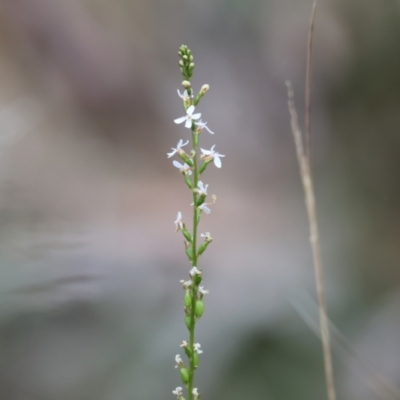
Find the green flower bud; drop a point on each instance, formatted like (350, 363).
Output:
(188, 351)
(200, 200)
(189, 252)
(186, 84)
(199, 308)
(203, 248)
(186, 158)
(187, 299)
(188, 181)
(185, 375)
(196, 359)
(188, 321)
(204, 166)
(197, 280)
(186, 233)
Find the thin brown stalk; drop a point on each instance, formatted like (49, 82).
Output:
(307, 118)
(307, 181)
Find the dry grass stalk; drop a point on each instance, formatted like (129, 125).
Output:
(306, 178)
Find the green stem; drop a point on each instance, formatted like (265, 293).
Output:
(194, 263)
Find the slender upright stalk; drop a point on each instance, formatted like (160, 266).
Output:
(194, 263)
(307, 118)
(192, 169)
(308, 187)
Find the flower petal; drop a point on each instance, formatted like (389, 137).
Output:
(177, 164)
(180, 120)
(190, 110)
(188, 123)
(217, 162)
(196, 116)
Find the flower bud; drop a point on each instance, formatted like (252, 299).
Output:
(203, 247)
(199, 308)
(186, 84)
(204, 89)
(200, 200)
(195, 359)
(189, 252)
(204, 166)
(188, 321)
(188, 351)
(186, 233)
(197, 280)
(185, 375)
(188, 181)
(187, 299)
(186, 158)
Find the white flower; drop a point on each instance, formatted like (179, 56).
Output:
(186, 284)
(178, 392)
(184, 168)
(201, 125)
(178, 222)
(202, 291)
(178, 148)
(184, 343)
(202, 190)
(194, 271)
(189, 117)
(184, 96)
(179, 361)
(197, 348)
(195, 392)
(204, 208)
(207, 236)
(212, 155)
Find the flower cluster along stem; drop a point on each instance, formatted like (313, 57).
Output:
(191, 171)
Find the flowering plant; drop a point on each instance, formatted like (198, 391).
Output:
(192, 167)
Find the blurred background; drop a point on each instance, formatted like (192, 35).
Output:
(90, 300)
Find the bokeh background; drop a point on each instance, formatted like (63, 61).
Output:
(90, 300)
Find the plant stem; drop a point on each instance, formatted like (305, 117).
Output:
(194, 263)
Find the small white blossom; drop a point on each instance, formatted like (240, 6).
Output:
(178, 148)
(188, 118)
(194, 271)
(195, 392)
(178, 222)
(203, 291)
(184, 344)
(197, 348)
(184, 96)
(179, 361)
(212, 155)
(207, 236)
(201, 189)
(186, 284)
(178, 392)
(204, 208)
(201, 125)
(184, 168)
